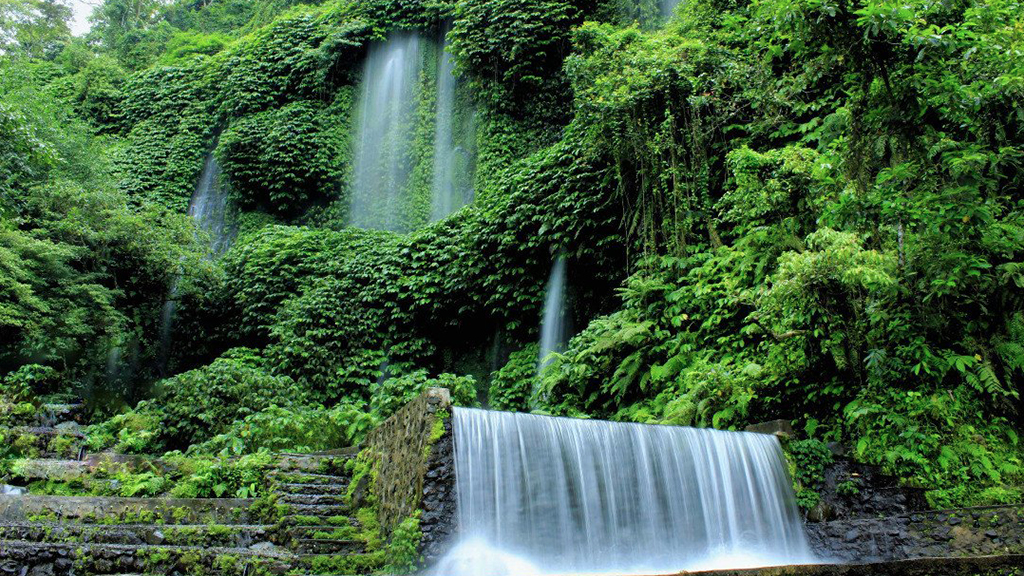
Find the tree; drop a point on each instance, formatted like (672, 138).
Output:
(34, 28)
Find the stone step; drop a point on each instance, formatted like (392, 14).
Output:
(315, 463)
(45, 441)
(318, 510)
(233, 536)
(49, 431)
(297, 477)
(337, 489)
(296, 522)
(312, 499)
(78, 558)
(58, 470)
(314, 546)
(91, 509)
(349, 564)
(52, 414)
(325, 532)
(83, 467)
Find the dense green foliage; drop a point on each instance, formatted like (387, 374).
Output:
(772, 209)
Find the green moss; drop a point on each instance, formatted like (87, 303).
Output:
(807, 460)
(402, 551)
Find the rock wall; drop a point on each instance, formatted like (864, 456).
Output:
(874, 494)
(439, 522)
(414, 466)
(943, 533)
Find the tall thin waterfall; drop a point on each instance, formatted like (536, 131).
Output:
(453, 185)
(538, 494)
(668, 6)
(384, 135)
(209, 208)
(554, 326)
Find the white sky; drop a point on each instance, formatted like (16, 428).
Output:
(82, 8)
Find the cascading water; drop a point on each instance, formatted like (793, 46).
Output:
(209, 208)
(384, 134)
(452, 186)
(554, 326)
(543, 495)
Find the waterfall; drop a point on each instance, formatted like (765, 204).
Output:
(667, 7)
(384, 134)
(554, 326)
(209, 208)
(547, 495)
(211, 211)
(453, 158)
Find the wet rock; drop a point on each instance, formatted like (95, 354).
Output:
(781, 428)
(41, 570)
(155, 537)
(8, 490)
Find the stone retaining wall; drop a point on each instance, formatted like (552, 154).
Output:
(438, 522)
(941, 533)
(406, 453)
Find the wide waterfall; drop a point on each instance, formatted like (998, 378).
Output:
(554, 325)
(384, 134)
(209, 208)
(543, 495)
(453, 142)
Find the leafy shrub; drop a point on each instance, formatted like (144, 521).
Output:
(29, 382)
(389, 395)
(201, 403)
(243, 477)
(808, 461)
(936, 439)
(519, 43)
(305, 429)
(138, 431)
(281, 159)
(512, 385)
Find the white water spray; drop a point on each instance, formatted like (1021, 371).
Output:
(453, 159)
(668, 7)
(554, 326)
(384, 134)
(560, 496)
(210, 210)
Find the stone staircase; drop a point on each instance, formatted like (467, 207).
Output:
(55, 536)
(317, 522)
(309, 529)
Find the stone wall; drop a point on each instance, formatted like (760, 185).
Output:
(941, 533)
(438, 522)
(405, 454)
